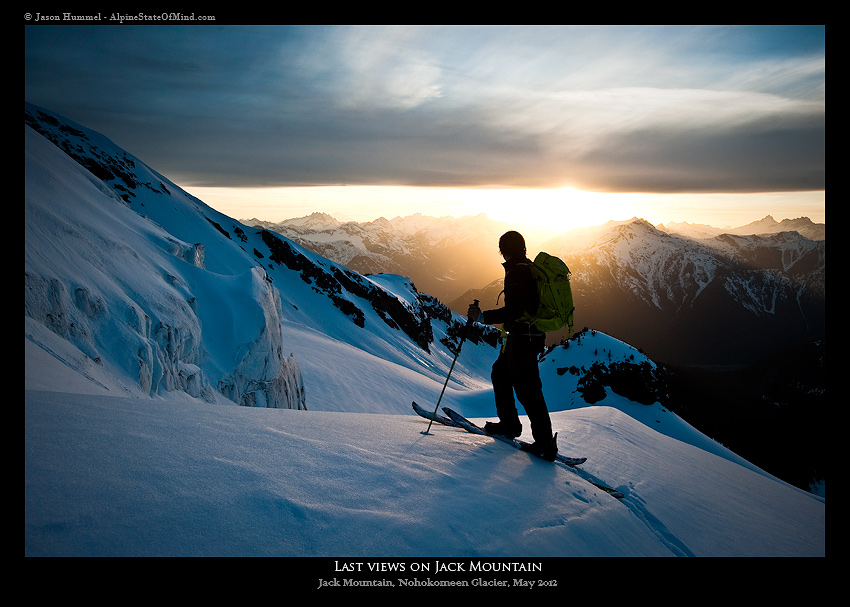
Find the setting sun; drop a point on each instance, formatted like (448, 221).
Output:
(547, 210)
(560, 209)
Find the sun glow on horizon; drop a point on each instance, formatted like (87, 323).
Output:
(552, 211)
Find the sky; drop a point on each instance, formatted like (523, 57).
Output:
(560, 126)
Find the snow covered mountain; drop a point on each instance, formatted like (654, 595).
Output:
(149, 316)
(153, 291)
(442, 255)
(683, 300)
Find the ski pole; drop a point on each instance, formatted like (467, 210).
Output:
(459, 346)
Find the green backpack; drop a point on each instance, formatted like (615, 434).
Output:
(556, 297)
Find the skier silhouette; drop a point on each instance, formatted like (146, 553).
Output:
(515, 371)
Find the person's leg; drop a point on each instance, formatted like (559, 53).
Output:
(503, 391)
(529, 388)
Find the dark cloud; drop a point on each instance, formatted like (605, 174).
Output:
(758, 157)
(628, 109)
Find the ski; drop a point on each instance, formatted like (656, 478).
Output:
(467, 425)
(456, 420)
(436, 416)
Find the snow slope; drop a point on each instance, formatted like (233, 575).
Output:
(109, 476)
(119, 463)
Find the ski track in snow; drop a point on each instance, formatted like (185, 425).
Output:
(639, 509)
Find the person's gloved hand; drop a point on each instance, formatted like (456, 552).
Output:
(474, 312)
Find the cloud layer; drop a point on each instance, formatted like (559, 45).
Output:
(661, 109)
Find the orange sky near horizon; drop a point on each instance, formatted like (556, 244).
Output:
(547, 210)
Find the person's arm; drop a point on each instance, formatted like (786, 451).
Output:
(520, 297)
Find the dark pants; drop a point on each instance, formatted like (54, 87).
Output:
(516, 372)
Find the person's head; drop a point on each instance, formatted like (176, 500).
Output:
(512, 244)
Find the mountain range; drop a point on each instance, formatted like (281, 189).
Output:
(675, 290)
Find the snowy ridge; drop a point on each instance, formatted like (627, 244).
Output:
(650, 264)
(666, 270)
(442, 254)
(128, 294)
(639, 282)
(148, 316)
(225, 290)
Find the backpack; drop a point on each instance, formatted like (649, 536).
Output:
(556, 297)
